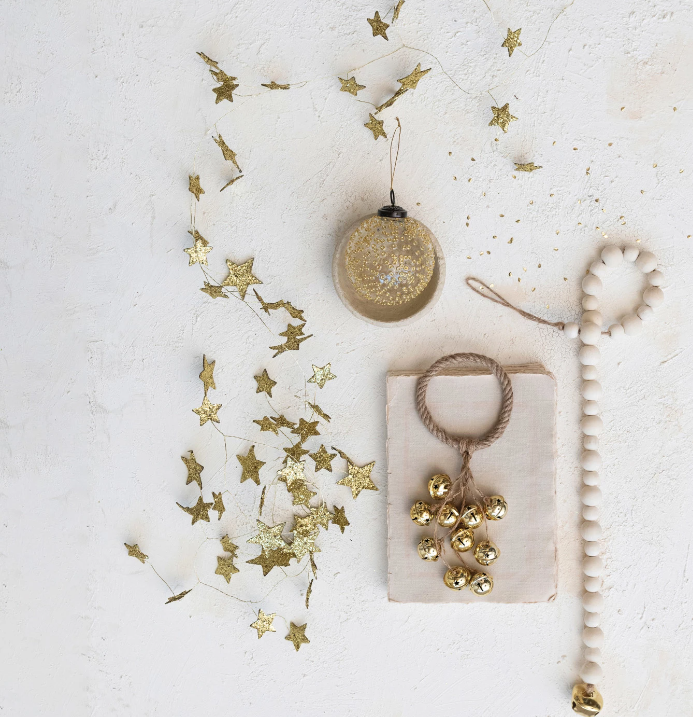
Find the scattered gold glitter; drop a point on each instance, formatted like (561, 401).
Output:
(351, 86)
(264, 383)
(207, 411)
(232, 181)
(502, 117)
(241, 276)
(199, 511)
(229, 154)
(218, 504)
(320, 412)
(297, 633)
(263, 623)
(207, 374)
(321, 375)
(194, 186)
(512, 41)
(378, 26)
(323, 459)
(225, 567)
(267, 560)
(180, 596)
(275, 86)
(216, 292)
(390, 261)
(267, 424)
(194, 470)
(268, 537)
(135, 552)
(358, 478)
(398, 7)
(339, 518)
(251, 466)
(375, 126)
(529, 167)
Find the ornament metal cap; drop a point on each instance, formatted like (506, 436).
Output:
(391, 210)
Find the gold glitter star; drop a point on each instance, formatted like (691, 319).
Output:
(267, 307)
(225, 567)
(268, 537)
(412, 79)
(321, 516)
(180, 596)
(291, 344)
(395, 14)
(512, 41)
(274, 86)
(301, 493)
(351, 86)
(293, 471)
(375, 126)
(228, 546)
(207, 411)
(282, 422)
(267, 560)
(339, 518)
(241, 276)
(378, 26)
(226, 88)
(251, 466)
(218, 504)
(194, 469)
(209, 60)
(321, 375)
(263, 623)
(304, 543)
(207, 374)
(199, 511)
(198, 252)
(306, 429)
(323, 459)
(229, 154)
(135, 552)
(502, 117)
(529, 167)
(319, 411)
(194, 186)
(297, 633)
(358, 479)
(297, 451)
(266, 424)
(304, 525)
(216, 292)
(232, 181)
(264, 383)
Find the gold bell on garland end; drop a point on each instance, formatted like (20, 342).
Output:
(458, 577)
(472, 516)
(448, 515)
(486, 552)
(462, 540)
(428, 550)
(587, 700)
(495, 507)
(439, 486)
(481, 584)
(421, 513)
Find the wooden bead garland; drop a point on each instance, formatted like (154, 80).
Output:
(586, 699)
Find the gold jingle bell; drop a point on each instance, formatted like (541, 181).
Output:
(472, 516)
(486, 552)
(458, 577)
(439, 486)
(448, 515)
(421, 513)
(481, 584)
(428, 550)
(462, 540)
(587, 700)
(495, 507)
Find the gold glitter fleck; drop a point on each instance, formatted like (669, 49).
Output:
(529, 167)
(180, 596)
(232, 181)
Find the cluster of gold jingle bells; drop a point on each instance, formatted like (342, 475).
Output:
(462, 538)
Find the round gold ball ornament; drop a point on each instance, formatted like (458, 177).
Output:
(486, 552)
(439, 486)
(481, 584)
(472, 516)
(458, 577)
(428, 549)
(462, 540)
(495, 507)
(448, 515)
(587, 700)
(421, 513)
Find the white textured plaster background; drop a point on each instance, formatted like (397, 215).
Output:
(104, 110)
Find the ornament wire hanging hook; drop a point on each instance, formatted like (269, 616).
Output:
(393, 168)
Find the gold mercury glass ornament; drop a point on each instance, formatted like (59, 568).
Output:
(495, 507)
(458, 577)
(421, 513)
(462, 540)
(439, 486)
(587, 700)
(428, 550)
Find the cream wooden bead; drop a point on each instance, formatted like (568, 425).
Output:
(591, 672)
(592, 567)
(632, 324)
(616, 330)
(591, 425)
(646, 262)
(592, 547)
(591, 461)
(590, 443)
(591, 530)
(590, 333)
(592, 317)
(593, 654)
(598, 268)
(571, 329)
(590, 303)
(592, 585)
(645, 312)
(653, 296)
(589, 373)
(591, 390)
(592, 619)
(655, 278)
(591, 494)
(593, 637)
(593, 602)
(590, 408)
(592, 284)
(590, 477)
(589, 355)
(612, 256)
(630, 253)
(590, 512)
